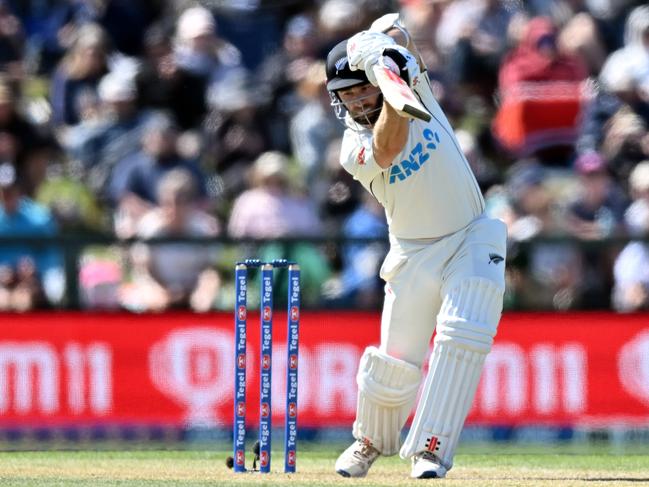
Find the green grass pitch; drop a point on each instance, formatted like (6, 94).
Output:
(474, 466)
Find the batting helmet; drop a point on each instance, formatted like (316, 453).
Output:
(339, 75)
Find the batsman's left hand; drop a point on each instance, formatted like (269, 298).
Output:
(364, 50)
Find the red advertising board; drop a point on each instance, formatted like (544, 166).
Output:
(178, 369)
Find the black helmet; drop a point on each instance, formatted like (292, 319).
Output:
(339, 75)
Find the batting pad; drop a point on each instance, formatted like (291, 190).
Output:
(469, 315)
(468, 321)
(387, 388)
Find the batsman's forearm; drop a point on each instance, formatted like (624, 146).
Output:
(390, 135)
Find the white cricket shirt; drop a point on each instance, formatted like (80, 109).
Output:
(429, 190)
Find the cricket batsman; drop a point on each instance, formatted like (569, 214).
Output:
(445, 268)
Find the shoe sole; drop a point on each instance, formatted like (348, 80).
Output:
(347, 475)
(428, 475)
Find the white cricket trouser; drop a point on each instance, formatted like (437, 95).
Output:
(419, 275)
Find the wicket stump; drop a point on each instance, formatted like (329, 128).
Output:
(266, 342)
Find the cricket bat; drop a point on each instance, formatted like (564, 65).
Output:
(398, 94)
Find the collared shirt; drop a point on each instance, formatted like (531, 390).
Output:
(429, 190)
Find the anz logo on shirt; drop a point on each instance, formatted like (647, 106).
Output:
(417, 158)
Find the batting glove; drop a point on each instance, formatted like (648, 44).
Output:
(364, 50)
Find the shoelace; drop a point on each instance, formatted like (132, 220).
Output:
(364, 453)
(428, 455)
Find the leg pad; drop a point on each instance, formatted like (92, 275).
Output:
(466, 328)
(387, 389)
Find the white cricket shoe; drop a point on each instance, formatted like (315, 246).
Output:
(425, 465)
(356, 460)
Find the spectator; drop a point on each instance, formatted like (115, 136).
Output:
(581, 37)
(174, 275)
(359, 286)
(30, 277)
(596, 213)
(51, 26)
(540, 91)
(163, 85)
(43, 151)
(100, 280)
(334, 192)
(54, 24)
(281, 71)
(74, 84)
(235, 135)
(314, 125)
(114, 135)
(617, 92)
(616, 121)
(483, 168)
(631, 268)
(133, 185)
(555, 278)
(529, 209)
(423, 20)
(625, 142)
(631, 271)
(17, 134)
(11, 43)
(268, 209)
(599, 208)
(200, 52)
(474, 35)
(73, 205)
(636, 216)
(633, 58)
(338, 19)
(125, 21)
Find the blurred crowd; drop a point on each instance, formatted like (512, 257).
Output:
(175, 118)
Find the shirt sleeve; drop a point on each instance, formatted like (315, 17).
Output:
(357, 157)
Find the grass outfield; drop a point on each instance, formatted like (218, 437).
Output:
(509, 467)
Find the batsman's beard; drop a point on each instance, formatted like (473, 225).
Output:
(368, 117)
(365, 117)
